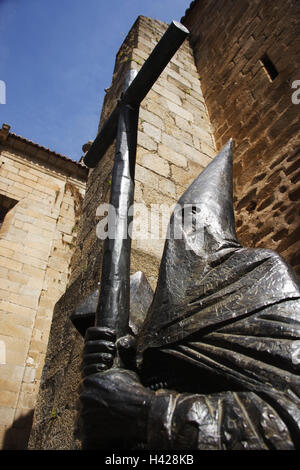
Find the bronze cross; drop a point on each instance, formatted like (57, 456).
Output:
(113, 305)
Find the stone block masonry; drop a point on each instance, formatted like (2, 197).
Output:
(172, 118)
(39, 202)
(237, 47)
(175, 143)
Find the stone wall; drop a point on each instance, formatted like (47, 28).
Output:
(175, 143)
(233, 42)
(37, 239)
(175, 140)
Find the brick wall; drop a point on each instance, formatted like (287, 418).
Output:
(36, 243)
(229, 39)
(175, 143)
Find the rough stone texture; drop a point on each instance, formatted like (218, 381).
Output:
(172, 117)
(55, 417)
(175, 143)
(229, 40)
(37, 239)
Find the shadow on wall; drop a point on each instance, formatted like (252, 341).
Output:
(17, 436)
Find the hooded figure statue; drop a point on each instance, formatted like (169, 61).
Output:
(218, 356)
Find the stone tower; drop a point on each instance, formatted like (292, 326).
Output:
(229, 81)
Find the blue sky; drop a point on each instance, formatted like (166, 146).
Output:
(56, 59)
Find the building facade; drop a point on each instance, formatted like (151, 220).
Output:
(41, 196)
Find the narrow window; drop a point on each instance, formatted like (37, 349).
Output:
(269, 67)
(6, 204)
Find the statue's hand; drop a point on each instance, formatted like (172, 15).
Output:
(126, 347)
(115, 406)
(99, 350)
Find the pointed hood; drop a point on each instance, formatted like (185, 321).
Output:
(201, 231)
(208, 206)
(206, 279)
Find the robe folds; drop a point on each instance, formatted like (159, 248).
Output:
(243, 336)
(218, 354)
(223, 331)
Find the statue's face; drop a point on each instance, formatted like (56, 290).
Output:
(197, 227)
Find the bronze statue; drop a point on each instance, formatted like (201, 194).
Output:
(215, 364)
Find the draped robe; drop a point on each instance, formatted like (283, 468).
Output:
(221, 340)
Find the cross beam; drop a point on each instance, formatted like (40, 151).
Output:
(138, 89)
(113, 304)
